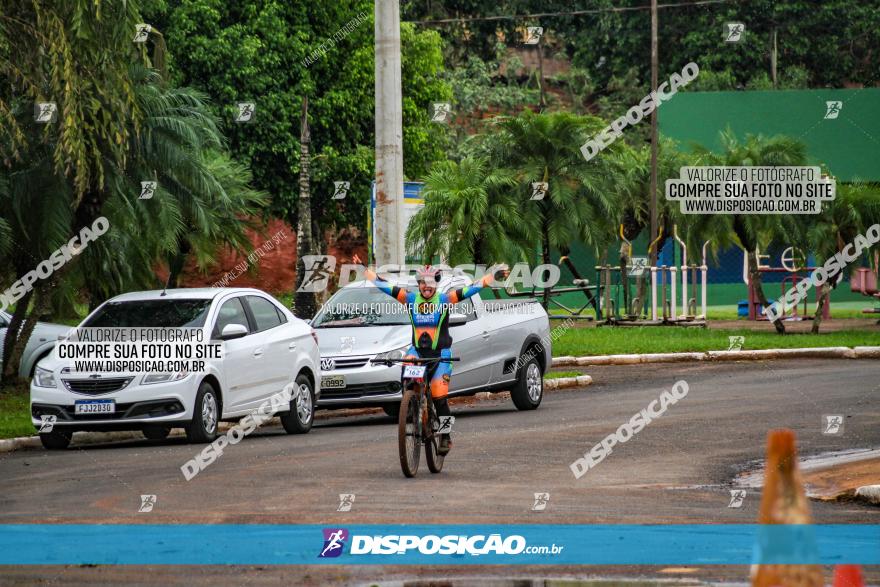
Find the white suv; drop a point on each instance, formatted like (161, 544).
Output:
(265, 348)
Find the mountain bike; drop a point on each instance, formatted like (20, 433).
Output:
(418, 422)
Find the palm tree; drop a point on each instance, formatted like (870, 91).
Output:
(75, 54)
(546, 148)
(746, 230)
(201, 204)
(628, 182)
(854, 209)
(470, 214)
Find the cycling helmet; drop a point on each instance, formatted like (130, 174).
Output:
(428, 273)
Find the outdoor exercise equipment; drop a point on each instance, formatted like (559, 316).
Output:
(579, 285)
(614, 288)
(864, 281)
(790, 259)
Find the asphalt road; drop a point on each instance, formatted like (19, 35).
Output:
(679, 469)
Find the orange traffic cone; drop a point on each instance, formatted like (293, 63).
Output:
(848, 576)
(783, 501)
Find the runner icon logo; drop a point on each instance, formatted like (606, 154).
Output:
(735, 32)
(541, 501)
(832, 109)
(737, 496)
(539, 190)
(446, 423)
(334, 542)
(340, 189)
(440, 111)
(833, 424)
(533, 35)
(47, 423)
(147, 503)
(346, 500)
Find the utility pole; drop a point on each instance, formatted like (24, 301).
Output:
(389, 229)
(653, 188)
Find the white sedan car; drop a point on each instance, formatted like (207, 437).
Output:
(265, 347)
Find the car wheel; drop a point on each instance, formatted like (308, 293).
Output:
(157, 432)
(298, 420)
(529, 388)
(392, 410)
(206, 415)
(55, 440)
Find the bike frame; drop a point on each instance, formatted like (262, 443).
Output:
(425, 428)
(426, 421)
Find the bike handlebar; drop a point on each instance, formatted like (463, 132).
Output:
(416, 360)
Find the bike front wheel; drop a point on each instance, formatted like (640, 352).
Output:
(432, 443)
(409, 438)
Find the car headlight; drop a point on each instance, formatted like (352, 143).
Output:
(393, 355)
(44, 378)
(151, 378)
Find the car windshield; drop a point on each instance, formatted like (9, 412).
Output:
(151, 314)
(361, 306)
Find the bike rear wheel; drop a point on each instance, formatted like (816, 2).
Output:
(408, 433)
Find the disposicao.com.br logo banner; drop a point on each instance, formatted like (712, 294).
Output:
(404, 543)
(439, 544)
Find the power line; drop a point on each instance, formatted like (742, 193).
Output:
(570, 13)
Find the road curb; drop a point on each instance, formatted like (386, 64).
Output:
(869, 494)
(859, 352)
(565, 382)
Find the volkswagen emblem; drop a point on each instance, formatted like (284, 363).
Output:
(327, 364)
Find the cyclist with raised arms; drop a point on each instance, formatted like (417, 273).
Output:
(428, 310)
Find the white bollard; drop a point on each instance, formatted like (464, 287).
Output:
(704, 270)
(654, 293)
(673, 277)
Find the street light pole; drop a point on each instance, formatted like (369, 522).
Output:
(653, 187)
(389, 230)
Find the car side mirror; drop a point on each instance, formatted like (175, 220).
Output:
(231, 331)
(457, 320)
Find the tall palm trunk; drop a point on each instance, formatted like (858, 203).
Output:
(757, 284)
(24, 320)
(10, 341)
(545, 258)
(304, 305)
(824, 293)
(176, 263)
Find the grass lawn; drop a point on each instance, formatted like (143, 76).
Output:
(838, 310)
(668, 339)
(561, 374)
(15, 413)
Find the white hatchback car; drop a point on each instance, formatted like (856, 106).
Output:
(265, 347)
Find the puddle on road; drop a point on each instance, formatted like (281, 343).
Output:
(825, 474)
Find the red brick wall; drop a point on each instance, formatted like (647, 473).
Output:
(275, 271)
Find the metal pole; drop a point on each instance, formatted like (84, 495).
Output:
(653, 187)
(389, 243)
(654, 293)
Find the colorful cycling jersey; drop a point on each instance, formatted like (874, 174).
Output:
(429, 317)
